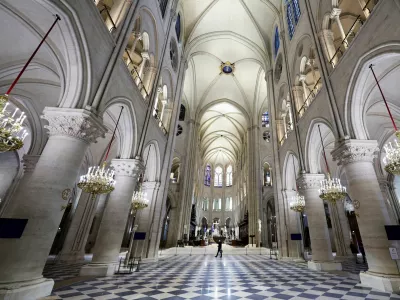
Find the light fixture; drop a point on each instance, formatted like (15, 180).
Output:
(298, 203)
(139, 202)
(331, 189)
(392, 158)
(100, 179)
(12, 134)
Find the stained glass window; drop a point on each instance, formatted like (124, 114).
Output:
(265, 119)
(292, 15)
(207, 176)
(178, 27)
(218, 177)
(277, 42)
(228, 204)
(182, 113)
(229, 176)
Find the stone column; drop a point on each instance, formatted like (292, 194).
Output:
(335, 15)
(29, 163)
(322, 258)
(39, 199)
(356, 157)
(295, 247)
(298, 95)
(148, 78)
(145, 58)
(327, 41)
(390, 210)
(108, 244)
(78, 232)
(302, 79)
(137, 37)
(341, 235)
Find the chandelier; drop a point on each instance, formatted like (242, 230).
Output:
(330, 189)
(12, 134)
(298, 204)
(392, 158)
(100, 179)
(139, 199)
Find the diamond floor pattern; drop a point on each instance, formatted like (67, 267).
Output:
(232, 277)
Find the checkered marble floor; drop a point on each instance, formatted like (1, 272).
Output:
(61, 271)
(232, 277)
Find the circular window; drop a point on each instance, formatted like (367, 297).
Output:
(173, 54)
(267, 136)
(179, 131)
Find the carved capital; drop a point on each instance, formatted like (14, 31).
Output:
(145, 55)
(351, 151)
(29, 162)
(310, 181)
(335, 13)
(78, 123)
(127, 167)
(302, 77)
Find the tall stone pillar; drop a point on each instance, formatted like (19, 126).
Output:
(78, 232)
(108, 244)
(340, 231)
(322, 258)
(295, 247)
(29, 163)
(356, 157)
(145, 219)
(39, 199)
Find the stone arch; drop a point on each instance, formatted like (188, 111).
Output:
(151, 159)
(291, 170)
(314, 161)
(362, 91)
(127, 129)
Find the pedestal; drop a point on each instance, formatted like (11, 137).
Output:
(380, 282)
(325, 266)
(31, 289)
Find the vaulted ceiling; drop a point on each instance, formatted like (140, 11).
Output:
(217, 32)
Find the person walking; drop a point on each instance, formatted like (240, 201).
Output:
(354, 250)
(219, 248)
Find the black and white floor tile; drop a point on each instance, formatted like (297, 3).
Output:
(230, 277)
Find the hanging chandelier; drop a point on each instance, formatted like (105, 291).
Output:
(139, 199)
(298, 203)
(392, 158)
(100, 179)
(330, 189)
(12, 133)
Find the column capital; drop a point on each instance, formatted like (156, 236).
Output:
(78, 123)
(29, 162)
(127, 167)
(137, 35)
(310, 181)
(145, 55)
(335, 13)
(351, 151)
(302, 77)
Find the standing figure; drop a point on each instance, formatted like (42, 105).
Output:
(219, 248)
(354, 250)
